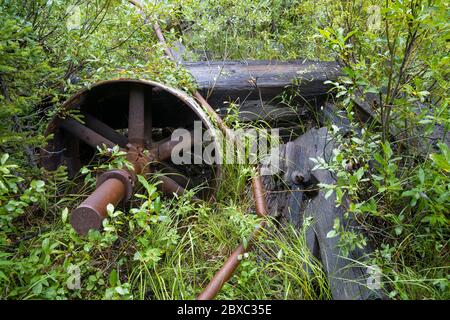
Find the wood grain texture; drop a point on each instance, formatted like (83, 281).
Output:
(263, 79)
(296, 202)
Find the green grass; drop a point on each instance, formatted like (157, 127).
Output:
(171, 254)
(172, 247)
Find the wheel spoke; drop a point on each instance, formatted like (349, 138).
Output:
(174, 174)
(136, 116)
(148, 123)
(170, 187)
(163, 150)
(104, 130)
(85, 134)
(72, 154)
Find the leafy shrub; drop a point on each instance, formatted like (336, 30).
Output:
(398, 182)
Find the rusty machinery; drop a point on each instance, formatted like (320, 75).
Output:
(139, 117)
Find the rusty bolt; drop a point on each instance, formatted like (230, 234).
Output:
(297, 177)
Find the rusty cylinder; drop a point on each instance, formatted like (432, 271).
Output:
(227, 270)
(223, 275)
(90, 214)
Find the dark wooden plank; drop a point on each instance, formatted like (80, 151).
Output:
(221, 81)
(331, 115)
(347, 279)
(272, 113)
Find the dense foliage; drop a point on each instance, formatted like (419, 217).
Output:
(401, 187)
(398, 181)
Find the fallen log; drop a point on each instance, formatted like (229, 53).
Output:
(262, 80)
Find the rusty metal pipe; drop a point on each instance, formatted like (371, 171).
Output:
(163, 150)
(90, 214)
(259, 195)
(227, 270)
(112, 187)
(170, 187)
(85, 134)
(223, 127)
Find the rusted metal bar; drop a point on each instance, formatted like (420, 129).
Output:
(259, 196)
(227, 270)
(104, 130)
(162, 40)
(90, 214)
(258, 190)
(112, 187)
(169, 186)
(136, 116)
(163, 150)
(72, 154)
(156, 28)
(223, 275)
(85, 134)
(223, 127)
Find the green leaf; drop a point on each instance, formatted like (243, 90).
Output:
(421, 176)
(332, 234)
(336, 224)
(360, 173)
(4, 159)
(387, 150)
(442, 161)
(113, 278)
(122, 291)
(37, 288)
(37, 184)
(280, 254)
(329, 193)
(45, 244)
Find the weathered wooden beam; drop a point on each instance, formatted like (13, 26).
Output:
(272, 113)
(221, 81)
(297, 198)
(347, 277)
